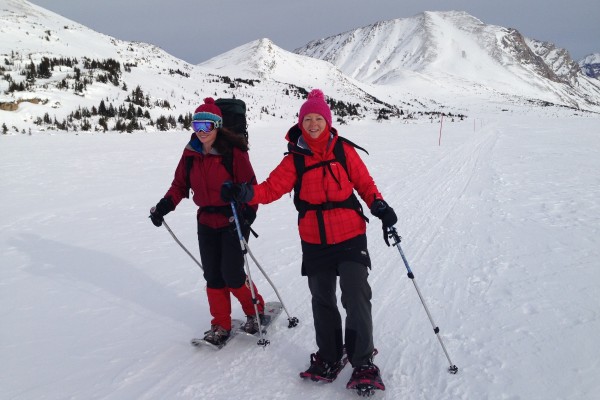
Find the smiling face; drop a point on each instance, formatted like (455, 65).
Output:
(207, 138)
(314, 124)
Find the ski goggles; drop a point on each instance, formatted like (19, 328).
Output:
(205, 126)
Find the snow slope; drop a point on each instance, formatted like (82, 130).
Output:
(499, 222)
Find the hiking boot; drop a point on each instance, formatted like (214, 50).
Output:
(366, 378)
(251, 325)
(217, 335)
(320, 370)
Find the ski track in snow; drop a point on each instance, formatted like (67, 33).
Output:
(499, 225)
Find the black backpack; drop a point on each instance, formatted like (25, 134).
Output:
(234, 119)
(234, 115)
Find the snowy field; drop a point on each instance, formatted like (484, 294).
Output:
(500, 225)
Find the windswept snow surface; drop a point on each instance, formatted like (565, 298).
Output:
(500, 224)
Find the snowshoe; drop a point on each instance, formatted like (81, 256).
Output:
(321, 371)
(217, 337)
(365, 380)
(272, 310)
(251, 325)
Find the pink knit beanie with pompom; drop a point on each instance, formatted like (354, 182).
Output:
(315, 103)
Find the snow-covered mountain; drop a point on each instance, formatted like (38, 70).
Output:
(58, 74)
(263, 60)
(70, 93)
(590, 65)
(458, 48)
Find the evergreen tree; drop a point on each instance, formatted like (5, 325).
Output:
(138, 96)
(30, 73)
(86, 126)
(103, 123)
(162, 123)
(102, 109)
(44, 69)
(130, 112)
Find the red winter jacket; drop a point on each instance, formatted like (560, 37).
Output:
(319, 186)
(206, 177)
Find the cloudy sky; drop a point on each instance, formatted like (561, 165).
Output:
(196, 30)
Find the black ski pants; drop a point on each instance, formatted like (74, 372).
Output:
(222, 257)
(356, 300)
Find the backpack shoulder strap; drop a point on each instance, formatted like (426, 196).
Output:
(227, 161)
(351, 143)
(189, 161)
(340, 154)
(300, 169)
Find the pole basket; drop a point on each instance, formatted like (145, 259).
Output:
(293, 322)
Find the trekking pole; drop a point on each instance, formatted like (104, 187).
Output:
(393, 234)
(262, 341)
(293, 321)
(179, 243)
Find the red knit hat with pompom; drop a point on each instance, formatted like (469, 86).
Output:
(315, 103)
(208, 112)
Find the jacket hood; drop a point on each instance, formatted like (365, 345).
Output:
(195, 145)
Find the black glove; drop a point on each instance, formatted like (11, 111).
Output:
(162, 208)
(384, 212)
(240, 192)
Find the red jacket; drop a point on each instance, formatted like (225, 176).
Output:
(319, 186)
(206, 177)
